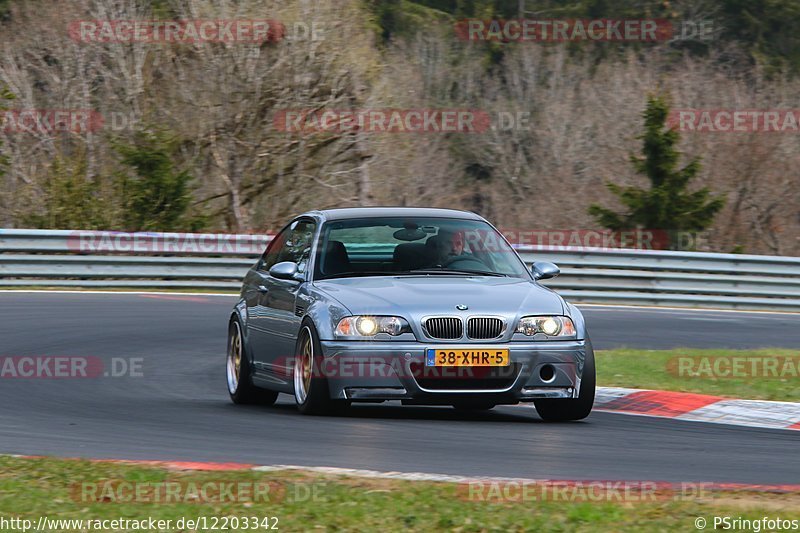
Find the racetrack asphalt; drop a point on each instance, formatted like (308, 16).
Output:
(178, 409)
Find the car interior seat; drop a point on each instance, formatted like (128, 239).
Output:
(336, 260)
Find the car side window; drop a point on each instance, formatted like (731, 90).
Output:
(299, 243)
(292, 244)
(273, 251)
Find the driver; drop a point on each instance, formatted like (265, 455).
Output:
(450, 245)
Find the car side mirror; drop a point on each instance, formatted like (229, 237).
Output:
(544, 270)
(286, 270)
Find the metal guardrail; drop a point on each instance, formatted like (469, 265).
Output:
(684, 279)
(83, 259)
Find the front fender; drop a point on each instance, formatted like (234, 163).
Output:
(577, 319)
(325, 311)
(239, 312)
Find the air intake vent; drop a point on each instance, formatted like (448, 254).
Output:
(484, 328)
(299, 310)
(444, 328)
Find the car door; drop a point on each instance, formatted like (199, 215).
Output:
(256, 285)
(275, 323)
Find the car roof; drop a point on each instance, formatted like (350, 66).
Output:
(347, 213)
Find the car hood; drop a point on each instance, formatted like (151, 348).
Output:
(415, 297)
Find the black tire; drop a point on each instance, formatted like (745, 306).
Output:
(314, 397)
(242, 390)
(562, 410)
(475, 405)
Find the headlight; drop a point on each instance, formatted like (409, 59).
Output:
(369, 326)
(552, 326)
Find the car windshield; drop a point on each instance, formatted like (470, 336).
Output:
(414, 246)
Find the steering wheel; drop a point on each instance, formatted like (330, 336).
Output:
(467, 262)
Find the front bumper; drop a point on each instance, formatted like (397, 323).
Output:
(370, 371)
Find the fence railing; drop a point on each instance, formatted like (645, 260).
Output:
(83, 259)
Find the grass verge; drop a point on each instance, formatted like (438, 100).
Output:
(771, 374)
(302, 501)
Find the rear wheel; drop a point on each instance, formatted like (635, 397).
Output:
(561, 410)
(311, 391)
(240, 383)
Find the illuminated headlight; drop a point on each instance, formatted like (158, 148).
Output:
(552, 326)
(369, 326)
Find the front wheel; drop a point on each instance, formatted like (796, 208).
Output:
(311, 391)
(240, 383)
(561, 410)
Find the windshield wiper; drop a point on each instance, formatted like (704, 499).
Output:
(365, 273)
(457, 272)
(418, 271)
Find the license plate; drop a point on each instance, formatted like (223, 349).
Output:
(471, 356)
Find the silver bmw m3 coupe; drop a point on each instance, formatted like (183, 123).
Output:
(424, 306)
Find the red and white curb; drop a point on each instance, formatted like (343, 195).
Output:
(699, 407)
